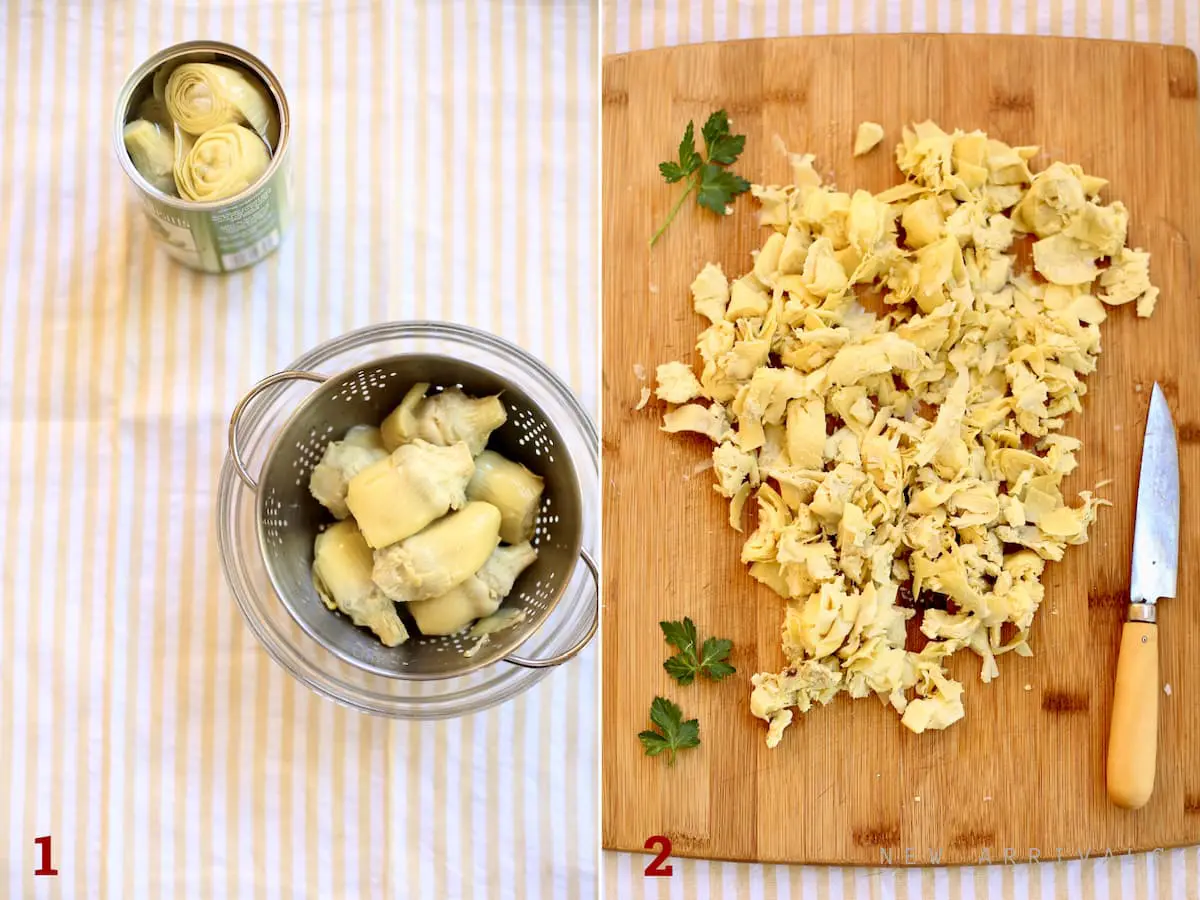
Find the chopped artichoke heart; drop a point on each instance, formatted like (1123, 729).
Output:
(868, 136)
(710, 421)
(677, 383)
(710, 293)
(920, 448)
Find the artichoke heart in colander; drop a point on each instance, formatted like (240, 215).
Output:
(477, 597)
(342, 565)
(441, 557)
(222, 162)
(445, 418)
(512, 489)
(342, 460)
(428, 517)
(402, 493)
(915, 444)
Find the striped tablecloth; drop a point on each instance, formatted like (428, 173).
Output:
(644, 24)
(445, 163)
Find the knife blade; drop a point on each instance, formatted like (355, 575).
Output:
(1156, 527)
(1133, 732)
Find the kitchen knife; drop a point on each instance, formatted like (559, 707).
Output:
(1133, 736)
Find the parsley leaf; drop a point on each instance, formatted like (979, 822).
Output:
(715, 186)
(721, 146)
(673, 734)
(689, 159)
(672, 172)
(681, 668)
(713, 657)
(693, 659)
(680, 635)
(684, 665)
(727, 148)
(718, 187)
(717, 126)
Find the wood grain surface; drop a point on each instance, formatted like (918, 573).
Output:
(1023, 774)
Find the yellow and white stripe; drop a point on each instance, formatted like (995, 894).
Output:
(645, 24)
(445, 167)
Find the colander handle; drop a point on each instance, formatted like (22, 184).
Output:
(235, 451)
(572, 651)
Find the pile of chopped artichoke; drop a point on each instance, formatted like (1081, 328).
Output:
(918, 448)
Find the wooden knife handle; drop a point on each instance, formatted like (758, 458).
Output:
(1133, 738)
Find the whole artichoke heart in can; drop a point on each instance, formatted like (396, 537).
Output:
(220, 235)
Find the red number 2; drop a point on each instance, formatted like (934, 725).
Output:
(46, 868)
(656, 869)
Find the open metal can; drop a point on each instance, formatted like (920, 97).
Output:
(221, 235)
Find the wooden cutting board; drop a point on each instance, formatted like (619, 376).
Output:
(1023, 774)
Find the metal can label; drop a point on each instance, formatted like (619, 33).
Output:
(230, 237)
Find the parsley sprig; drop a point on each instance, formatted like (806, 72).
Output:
(694, 658)
(715, 185)
(674, 733)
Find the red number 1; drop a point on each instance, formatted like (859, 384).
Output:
(656, 869)
(46, 868)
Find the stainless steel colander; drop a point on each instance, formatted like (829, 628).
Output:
(289, 519)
